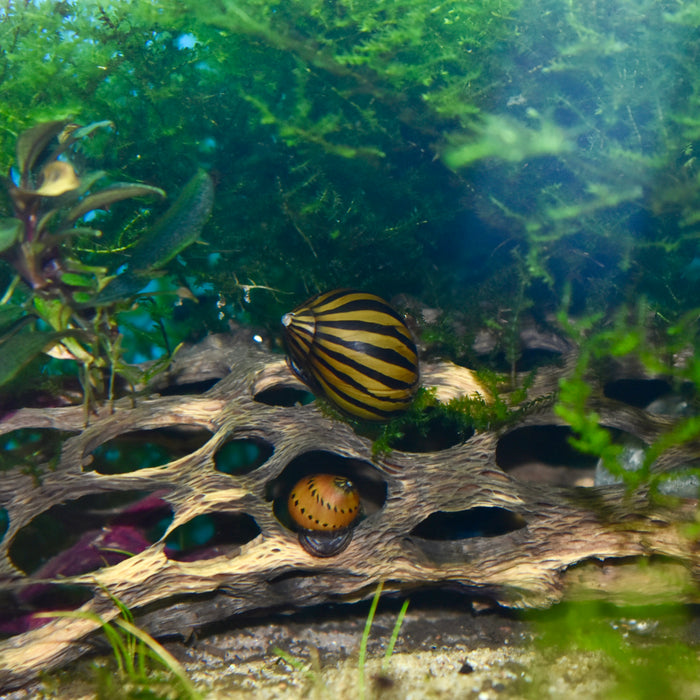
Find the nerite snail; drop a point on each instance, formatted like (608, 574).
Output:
(354, 349)
(324, 508)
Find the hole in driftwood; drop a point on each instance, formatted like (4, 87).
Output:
(90, 532)
(141, 449)
(636, 392)
(4, 522)
(296, 576)
(17, 607)
(189, 388)
(483, 521)
(210, 535)
(528, 360)
(243, 455)
(532, 358)
(29, 447)
(438, 433)
(364, 476)
(284, 396)
(542, 454)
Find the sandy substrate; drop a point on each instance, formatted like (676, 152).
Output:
(444, 650)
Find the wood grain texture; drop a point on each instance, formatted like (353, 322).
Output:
(576, 542)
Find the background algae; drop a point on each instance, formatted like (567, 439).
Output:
(460, 145)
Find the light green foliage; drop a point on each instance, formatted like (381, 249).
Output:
(438, 139)
(459, 417)
(640, 648)
(633, 334)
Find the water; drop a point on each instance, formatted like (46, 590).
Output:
(486, 158)
(521, 177)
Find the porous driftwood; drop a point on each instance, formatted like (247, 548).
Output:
(554, 542)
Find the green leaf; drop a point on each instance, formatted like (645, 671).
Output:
(179, 227)
(9, 313)
(10, 232)
(83, 131)
(53, 311)
(107, 196)
(121, 288)
(87, 180)
(32, 142)
(82, 297)
(19, 349)
(75, 280)
(73, 232)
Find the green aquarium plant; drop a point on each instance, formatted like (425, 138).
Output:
(57, 303)
(144, 668)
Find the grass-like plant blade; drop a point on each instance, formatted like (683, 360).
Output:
(113, 635)
(124, 651)
(162, 654)
(394, 635)
(365, 637)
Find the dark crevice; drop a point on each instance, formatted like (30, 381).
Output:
(636, 392)
(284, 396)
(28, 447)
(243, 455)
(189, 388)
(141, 449)
(210, 535)
(544, 454)
(465, 524)
(18, 606)
(90, 532)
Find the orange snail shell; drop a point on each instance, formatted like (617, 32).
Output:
(324, 507)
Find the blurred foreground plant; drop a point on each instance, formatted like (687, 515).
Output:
(66, 307)
(139, 659)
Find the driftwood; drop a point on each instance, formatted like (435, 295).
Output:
(423, 510)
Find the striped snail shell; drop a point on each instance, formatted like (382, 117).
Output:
(324, 508)
(354, 349)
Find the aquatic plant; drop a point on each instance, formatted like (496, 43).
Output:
(638, 648)
(139, 659)
(56, 302)
(488, 142)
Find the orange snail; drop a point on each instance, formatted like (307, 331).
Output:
(324, 508)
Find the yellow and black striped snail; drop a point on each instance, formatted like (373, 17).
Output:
(354, 349)
(324, 507)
